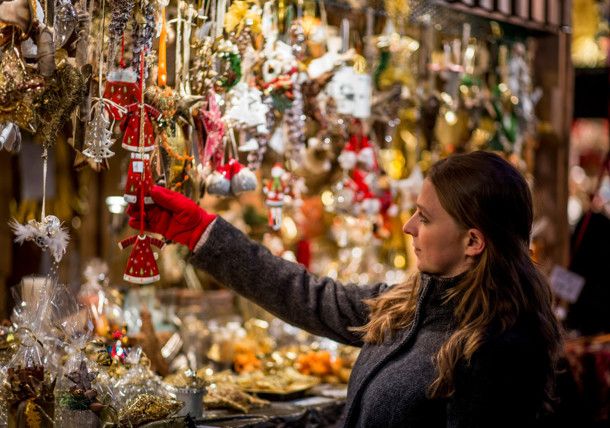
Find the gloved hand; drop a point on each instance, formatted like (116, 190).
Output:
(173, 215)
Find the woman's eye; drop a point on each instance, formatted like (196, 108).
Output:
(422, 218)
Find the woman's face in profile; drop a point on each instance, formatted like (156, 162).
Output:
(439, 242)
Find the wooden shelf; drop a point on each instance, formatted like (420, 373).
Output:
(531, 26)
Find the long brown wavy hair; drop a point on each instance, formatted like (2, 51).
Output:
(483, 191)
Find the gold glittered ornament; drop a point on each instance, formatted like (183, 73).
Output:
(147, 408)
(20, 90)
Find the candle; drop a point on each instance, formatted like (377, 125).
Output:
(162, 66)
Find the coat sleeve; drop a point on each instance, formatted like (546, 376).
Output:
(157, 243)
(127, 242)
(503, 386)
(319, 305)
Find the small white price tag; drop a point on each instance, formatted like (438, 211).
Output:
(566, 285)
(352, 92)
(343, 91)
(138, 166)
(363, 92)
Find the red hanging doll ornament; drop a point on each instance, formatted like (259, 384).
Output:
(141, 266)
(277, 192)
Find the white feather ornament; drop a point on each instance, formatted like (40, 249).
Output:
(48, 234)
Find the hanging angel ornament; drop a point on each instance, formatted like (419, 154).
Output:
(47, 233)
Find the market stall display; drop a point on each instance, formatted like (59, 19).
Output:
(309, 130)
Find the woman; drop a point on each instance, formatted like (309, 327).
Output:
(471, 341)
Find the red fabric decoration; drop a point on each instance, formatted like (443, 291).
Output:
(174, 216)
(121, 93)
(142, 265)
(131, 127)
(139, 175)
(304, 252)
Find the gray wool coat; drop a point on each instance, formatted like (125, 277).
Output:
(501, 387)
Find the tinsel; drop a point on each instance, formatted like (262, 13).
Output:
(297, 36)
(143, 34)
(121, 13)
(59, 101)
(20, 90)
(147, 408)
(295, 121)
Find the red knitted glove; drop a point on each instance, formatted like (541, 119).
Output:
(173, 215)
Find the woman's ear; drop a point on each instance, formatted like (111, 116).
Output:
(475, 242)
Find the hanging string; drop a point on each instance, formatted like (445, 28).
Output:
(178, 62)
(44, 182)
(122, 59)
(185, 88)
(233, 142)
(101, 50)
(141, 141)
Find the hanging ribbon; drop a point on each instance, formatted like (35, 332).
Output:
(141, 139)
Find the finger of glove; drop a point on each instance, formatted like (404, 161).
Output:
(133, 210)
(155, 219)
(171, 200)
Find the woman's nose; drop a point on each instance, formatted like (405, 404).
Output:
(409, 227)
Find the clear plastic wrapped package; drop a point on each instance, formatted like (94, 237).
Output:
(29, 379)
(82, 398)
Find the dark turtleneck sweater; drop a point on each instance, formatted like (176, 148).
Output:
(500, 387)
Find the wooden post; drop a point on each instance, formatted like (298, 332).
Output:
(6, 195)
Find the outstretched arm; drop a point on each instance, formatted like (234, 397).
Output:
(319, 305)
